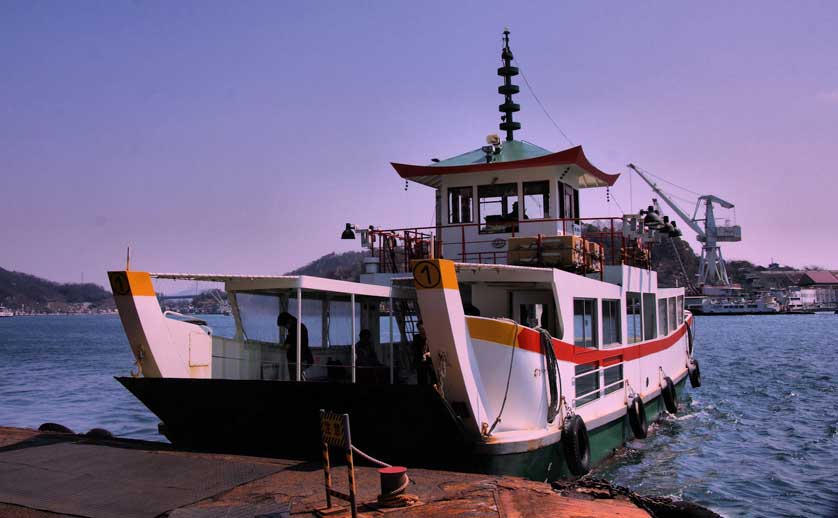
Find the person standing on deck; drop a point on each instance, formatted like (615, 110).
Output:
(425, 374)
(289, 322)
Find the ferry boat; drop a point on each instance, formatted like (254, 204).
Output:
(765, 305)
(5, 312)
(514, 336)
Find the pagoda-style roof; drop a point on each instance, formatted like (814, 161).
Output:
(515, 154)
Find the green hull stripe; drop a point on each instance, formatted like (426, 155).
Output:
(548, 463)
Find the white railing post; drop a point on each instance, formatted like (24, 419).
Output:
(299, 333)
(392, 352)
(352, 302)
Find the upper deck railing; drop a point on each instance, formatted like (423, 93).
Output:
(488, 244)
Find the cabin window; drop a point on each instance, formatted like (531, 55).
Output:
(312, 319)
(340, 322)
(585, 322)
(537, 200)
(459, 204)
(498, 206)
(258, 316)
(568, 201)
(650, 322)
(680, 309)
(613, 375)
(672, 323)
(611, 322)
(587, 381)
(634, 320)
(662, 320)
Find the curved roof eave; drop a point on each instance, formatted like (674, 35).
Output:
(429, 174)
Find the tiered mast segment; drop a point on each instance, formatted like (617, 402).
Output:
(507, 89)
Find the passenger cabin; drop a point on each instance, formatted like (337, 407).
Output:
(332, 315)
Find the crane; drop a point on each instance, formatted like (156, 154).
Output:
(711, 266)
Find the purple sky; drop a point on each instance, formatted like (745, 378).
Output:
(240, 137)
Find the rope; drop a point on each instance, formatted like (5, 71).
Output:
(508, 379)
(669, 182)
(553, 372)
(617, 202)
(395, 498)
(398, 500)
(681, 263)
(370, 459)
(524, 77)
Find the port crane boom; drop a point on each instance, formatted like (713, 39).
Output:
(711, 266)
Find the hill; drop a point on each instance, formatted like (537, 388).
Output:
(345, 267)
(20, 290)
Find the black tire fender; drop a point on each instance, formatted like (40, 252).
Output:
(695, 373)
(670, 397)
(689, 339)
(577, 447)
(637, 417)
(54, 427)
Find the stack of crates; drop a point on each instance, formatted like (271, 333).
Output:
(563, 252)
(639, 257)
(594, 257)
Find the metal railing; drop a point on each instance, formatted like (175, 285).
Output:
(601, 390)
(396, 248)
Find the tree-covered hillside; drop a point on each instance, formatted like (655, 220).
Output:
(19, 290)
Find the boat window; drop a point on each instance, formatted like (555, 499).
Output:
(567, 201)
(650, 321)
(611, 322)
(498, 208)
(584, 322)
(537, 200)
(459, 204)
(613, 375)
(634, 321)
(340, 322)
(680, 309)
(672, 323)
(587, 380)
(312, 319)
(258, 316)
(663, 330)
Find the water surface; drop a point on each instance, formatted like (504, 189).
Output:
(759, 438)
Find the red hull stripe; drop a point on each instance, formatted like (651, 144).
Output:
(530, 340)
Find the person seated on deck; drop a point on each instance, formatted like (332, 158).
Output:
(365, 350)
(289, 322)
(511, 219)
(370, 370)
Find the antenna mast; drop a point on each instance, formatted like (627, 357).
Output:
(507, 89)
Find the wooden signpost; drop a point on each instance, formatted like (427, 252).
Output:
(334, 431)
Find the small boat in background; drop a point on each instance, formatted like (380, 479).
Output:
(6, 312)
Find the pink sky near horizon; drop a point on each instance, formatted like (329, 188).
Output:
(239, 138)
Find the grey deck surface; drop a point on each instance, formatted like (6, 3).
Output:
(109, 482)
